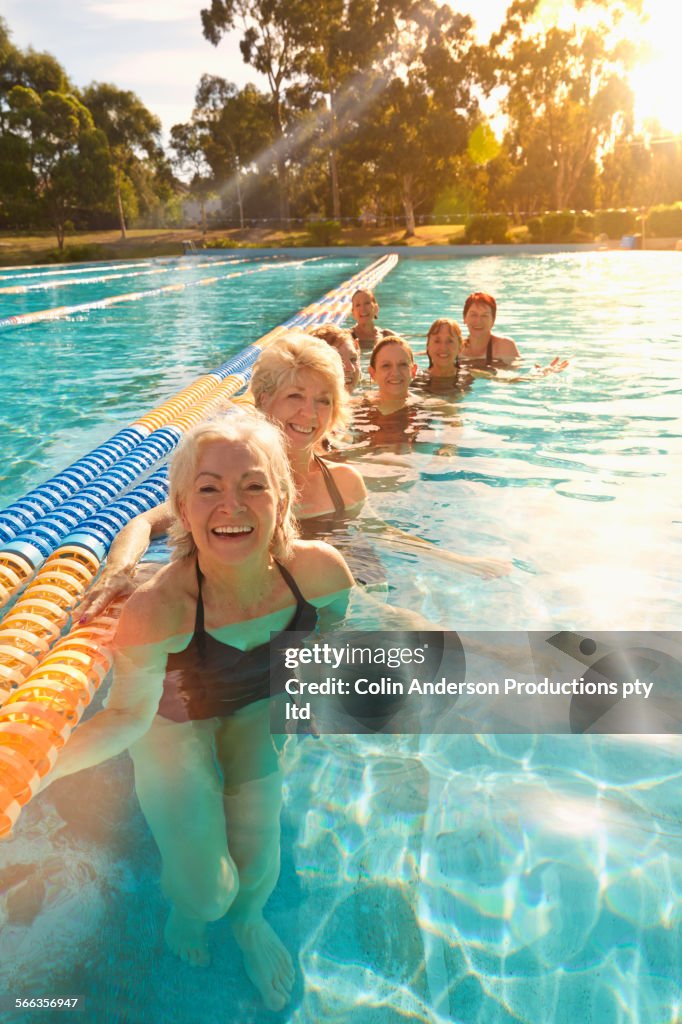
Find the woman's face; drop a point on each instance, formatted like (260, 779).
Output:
(350, 357)
(393, 371)
(364, 308)
(303, 409)
(479, 320)
(443, 347)
(232, 504)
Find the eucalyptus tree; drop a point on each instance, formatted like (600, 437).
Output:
(566, 94)
(133, 134)
(63, 161)
(326, 56)
(423, 119)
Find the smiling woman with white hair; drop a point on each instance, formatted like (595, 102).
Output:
(191, 690)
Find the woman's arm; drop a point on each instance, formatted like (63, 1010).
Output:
(116, 579)
(487, 568)
(505, 377)
(139, 668)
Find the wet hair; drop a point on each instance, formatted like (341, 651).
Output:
(332, 334)
(389, 339)
(455, 333)
(264, 439)
(482, 297)
(291, 354)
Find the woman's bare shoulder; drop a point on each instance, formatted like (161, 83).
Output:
(350, 483)
(319, 569)
(157, 611)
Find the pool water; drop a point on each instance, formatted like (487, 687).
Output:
(449, 878)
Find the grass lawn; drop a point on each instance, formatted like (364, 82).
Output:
(105, 245)
(19, 250)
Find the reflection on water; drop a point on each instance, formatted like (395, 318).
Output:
(470, 879)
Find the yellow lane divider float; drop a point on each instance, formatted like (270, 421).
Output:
(47, 684)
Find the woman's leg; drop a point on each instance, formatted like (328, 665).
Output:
(180, 792)
(253, 801)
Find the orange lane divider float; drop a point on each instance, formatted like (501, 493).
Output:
(45, 687)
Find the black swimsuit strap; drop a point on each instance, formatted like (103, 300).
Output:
(199, 630)
(330, 484)
(292, 585)
(489, 351)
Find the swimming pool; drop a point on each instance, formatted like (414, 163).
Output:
(449, 878)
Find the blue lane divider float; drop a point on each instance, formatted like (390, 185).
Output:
(27, 548)
(44, 692)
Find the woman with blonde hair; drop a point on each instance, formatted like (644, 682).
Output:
(298, 383)
(191, 690)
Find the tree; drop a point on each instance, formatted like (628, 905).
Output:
(565, 94)
(236, 132)
(189, 142)
(133, 134)
(423, 120)
(64, 158)
(271, 43)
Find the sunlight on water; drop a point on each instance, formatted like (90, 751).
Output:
(475, 879)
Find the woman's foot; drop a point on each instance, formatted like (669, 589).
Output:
(267, 962)
(186, 937)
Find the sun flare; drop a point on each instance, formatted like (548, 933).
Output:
(657, 80)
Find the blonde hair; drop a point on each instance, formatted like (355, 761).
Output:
(294, 353)
(455, 333)
(263, 438)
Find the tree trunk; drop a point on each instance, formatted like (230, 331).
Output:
(59, 231)
(408, 206)
(283, 180)
(333, 162)
(240, 202)
(119, 204)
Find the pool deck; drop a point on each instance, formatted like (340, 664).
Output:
(412, 252)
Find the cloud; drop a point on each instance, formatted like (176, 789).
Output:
(149, 10)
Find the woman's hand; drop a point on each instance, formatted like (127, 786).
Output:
(486, 568)
(112, 584)
(554, 367)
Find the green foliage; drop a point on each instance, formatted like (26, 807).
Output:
(552, 227)
(615, 223)
(324, 232)
(586, 222)
(66, 162)
(487, 227)
(483, 145)
(73, 254)
(665, 221)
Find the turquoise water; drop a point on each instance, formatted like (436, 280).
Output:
(472, 879)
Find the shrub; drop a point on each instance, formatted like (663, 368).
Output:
(487, 227)
(324, 232)
(586, 222)
(224, 243)
(665, 221)
(74, 254)
(614, 223)
(557, 227)
(535, 229)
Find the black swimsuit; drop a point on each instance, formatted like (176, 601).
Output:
(211, 679)
(332, 489)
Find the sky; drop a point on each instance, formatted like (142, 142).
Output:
(156, 48)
